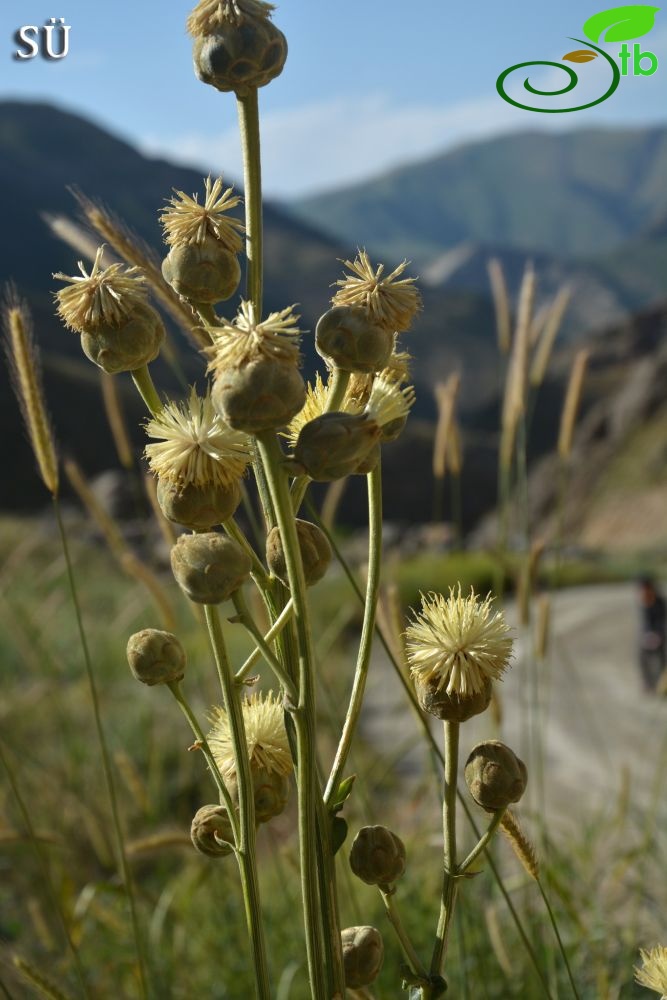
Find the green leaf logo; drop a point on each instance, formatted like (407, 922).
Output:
(581, 56)
(620, 24)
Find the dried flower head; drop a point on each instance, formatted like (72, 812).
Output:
(317, 396)
(388, 401)
(389, 299)
(195, 445)
(398, 366)
(458, 641)
(243, 340)
(653, 971)
(266, 736)
(210, 15)
(187, 221)
(106, 296)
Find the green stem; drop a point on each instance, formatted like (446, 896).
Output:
(144, 383)
(202, 743)
(304, 719)
(452, 730)
(482, 842)
(248, 623)
(259, 574)
(279, 624)
(248, 110)
(104, 753)
(245, 848)
(374, 480)
(407, 947)
(46, 874)
(556, 931)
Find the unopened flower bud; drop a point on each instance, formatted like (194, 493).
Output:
(262, 395)
(198, 507)
(209, 567)
(334, 445)
(155, 657)
(202, 272)
(315, 552)
(211, 832)
(454, 707)
(377, 856)
(135, 342)
(270, 792)
(363, 954)
(495, 776)
(240, 56)
(347, 337)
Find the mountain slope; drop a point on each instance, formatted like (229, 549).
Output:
(580, 193)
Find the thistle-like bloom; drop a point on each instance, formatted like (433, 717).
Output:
(195, 445)
(388, 401)
(243, 340)
(266, 736)
(210, 15)
(458, 642)
(390, 300)
(187, 221)
(106, 296)
(398, 366)
(653, 971)
(317, 395)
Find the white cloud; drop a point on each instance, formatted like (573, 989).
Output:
(335, 142)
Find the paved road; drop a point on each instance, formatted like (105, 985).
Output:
(599, 729)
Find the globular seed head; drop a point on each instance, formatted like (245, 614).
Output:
(315, 552)
(156, 657)
(126, 347)
(377, 856)
(335, 444)
(209, 567)
(198, 507)
(202, 272)
(347, 337)
(211, 832)
(363, 954)
(262, 395)
(452, 707)
(495, 776)
(240, 57)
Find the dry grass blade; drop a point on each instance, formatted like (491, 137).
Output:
(521, 845)
(42, 986)
(514, 402)
(501, 305)
(445, 394)
(543, 631)
(546, 342)
(27, 378)
(571, 405)
(116, 419)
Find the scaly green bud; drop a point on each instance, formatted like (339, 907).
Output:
(495, 776)
(348, 338)
(155, 657)
(377, 856)
(363, 954)
(202, 272)
(209, 567)
(211, 832)
(198, 507)
(315, 552)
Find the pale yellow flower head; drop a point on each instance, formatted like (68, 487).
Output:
(244, 340)
(187, 221)
(459, 642)
(388, 401)
(195, 446)
(317, 396)
(389, 300)
(210, 15)
(398, 367)
(266, 736)
(653, 971)
(106, 296)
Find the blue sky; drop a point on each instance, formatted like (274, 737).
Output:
(368, 84)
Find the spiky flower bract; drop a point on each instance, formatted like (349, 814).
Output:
(266, 736)
(458, 642)
(106, 296)
(210, 15)
(388, 401)
(317, 396)
(244, 340)
(187, 221)
(653, 971)
(390, 300)
(195, 445)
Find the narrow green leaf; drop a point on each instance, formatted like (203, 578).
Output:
(620, 24)
(338, 833)
(343, 793)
